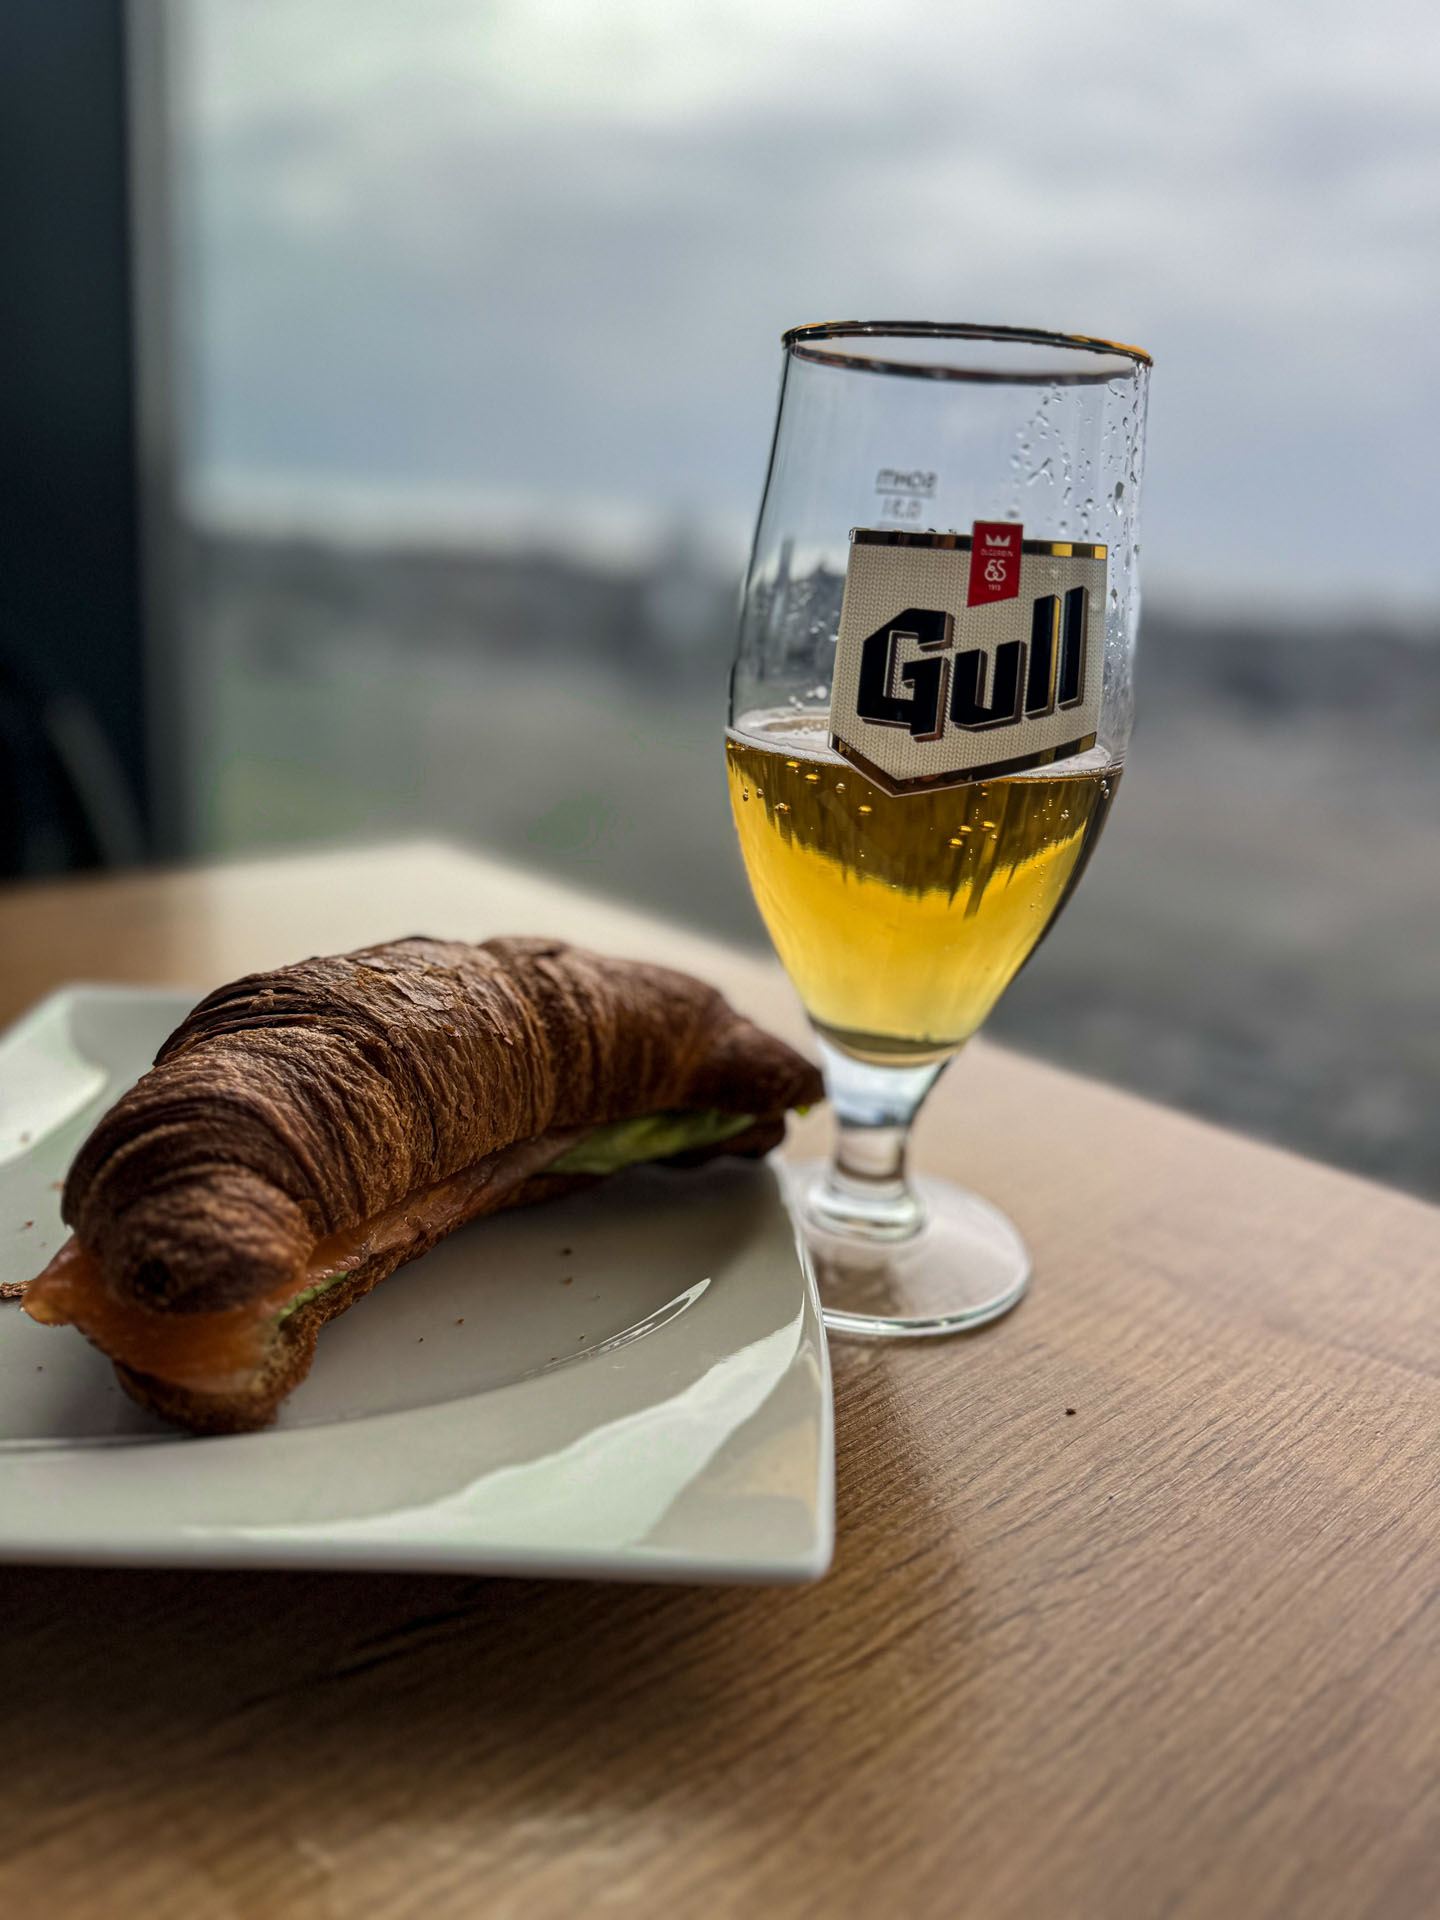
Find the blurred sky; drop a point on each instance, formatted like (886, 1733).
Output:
(533, 256)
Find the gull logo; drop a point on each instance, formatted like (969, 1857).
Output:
(1019, 681)
(981, 659)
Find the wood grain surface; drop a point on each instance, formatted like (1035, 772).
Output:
(1175, 1653)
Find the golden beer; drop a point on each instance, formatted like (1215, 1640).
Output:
(902, 919)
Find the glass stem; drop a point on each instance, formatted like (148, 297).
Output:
(866, 1191)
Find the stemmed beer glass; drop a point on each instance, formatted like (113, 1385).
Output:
(930, 706)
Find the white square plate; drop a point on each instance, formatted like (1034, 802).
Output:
(628, 1384)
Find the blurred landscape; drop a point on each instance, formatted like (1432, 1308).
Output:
(1256, 940)
(479, 310)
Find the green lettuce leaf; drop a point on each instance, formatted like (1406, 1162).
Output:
(655, 1137)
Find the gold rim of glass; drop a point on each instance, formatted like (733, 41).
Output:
(811, 343)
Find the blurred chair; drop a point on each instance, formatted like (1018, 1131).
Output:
(64, 798)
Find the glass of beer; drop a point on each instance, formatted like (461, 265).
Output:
(929, 712)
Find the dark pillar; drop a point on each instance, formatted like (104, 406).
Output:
(73, 751)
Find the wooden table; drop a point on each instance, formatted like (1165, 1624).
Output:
(1176, 1652)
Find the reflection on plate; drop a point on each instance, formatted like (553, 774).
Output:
(631, 1383)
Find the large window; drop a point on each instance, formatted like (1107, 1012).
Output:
(480, 311)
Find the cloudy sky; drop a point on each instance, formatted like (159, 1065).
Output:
(540, 251)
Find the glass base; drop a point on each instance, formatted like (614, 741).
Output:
(964, 1267)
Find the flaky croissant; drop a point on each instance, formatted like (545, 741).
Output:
(305, 1132)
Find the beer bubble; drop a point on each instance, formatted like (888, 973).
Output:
(865, 809)
(793, 763)
(839, 786)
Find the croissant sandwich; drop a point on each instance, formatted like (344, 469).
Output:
(305, 1132)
